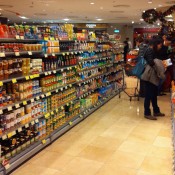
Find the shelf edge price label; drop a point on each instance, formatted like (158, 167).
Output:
(1, 111)
(32, 123)
(70, 123)
(36, 121)
(61, 70)
(81, 116)
(43, 141)
(42, 96)
(19, 129)
(14, 80)
(66, 87)
(1, 83)
(17, 54)
(9, 108)
(9, 135)
(26, 125)
(67, 53)
(56, 110)
(32, 100)
(49, 72)
(2, 54)
(17, 37)
(54, 71)
(4, 137)
(31, 76)
(62, 107)
(56, 90)
(22, 37)
(37, 75)
(45, 55)
(52, 113)
(63, 54)
(37, 98)
(29, 52)
(53, 54)
(70, 85)
(67, 104)
(46, 73)
(47, 115)
(27, 77)
(61, 89)
(24, 103)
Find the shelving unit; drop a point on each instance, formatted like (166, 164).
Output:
(51, 115)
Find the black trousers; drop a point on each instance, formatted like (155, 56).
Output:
(151, 92)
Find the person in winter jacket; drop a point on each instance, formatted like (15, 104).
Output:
(154, 71)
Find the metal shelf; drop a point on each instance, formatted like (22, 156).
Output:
(93, 59)
(7, 40)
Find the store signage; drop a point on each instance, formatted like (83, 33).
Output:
(90, 25)
(116, 31)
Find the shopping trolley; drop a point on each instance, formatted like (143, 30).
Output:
(132, 83)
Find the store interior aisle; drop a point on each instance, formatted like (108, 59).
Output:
(115, 140)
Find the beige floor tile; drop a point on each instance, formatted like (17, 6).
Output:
(53, 160)
(114, 169)
(106, 142)
(146, 173)
(142, 136)
(140, 148)
(126, 159)
(163, 142)
(32, 169)
(156, 165)
(81, 166)
(96, 153)
(165, 133)
(161, 152)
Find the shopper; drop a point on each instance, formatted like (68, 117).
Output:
(129, 44)
(142, 45)
(152, 74)
(126, 50)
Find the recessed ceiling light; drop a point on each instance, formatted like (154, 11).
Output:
(158, 24)
(92, 3)
(150, 2)
(169, 16)
(132, 22)
(66, 19)
(101, 8)
(0, 9)
(141, 19)
(160, 5)
(8, 19)
(144, 11)
(155, 8)
(23, 17)
(99, 19)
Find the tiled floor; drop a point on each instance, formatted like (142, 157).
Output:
(115, 140)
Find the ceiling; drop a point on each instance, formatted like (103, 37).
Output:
(78, 11)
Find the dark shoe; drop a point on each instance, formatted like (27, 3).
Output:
(150, 117)
(159, 114)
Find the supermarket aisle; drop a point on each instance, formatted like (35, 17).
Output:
(115, 140)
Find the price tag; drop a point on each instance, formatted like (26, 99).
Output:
(37, 75)
(37, 98)
(49, 72)
(30, 52)
(27, 77)
(52, 113)
(56, 91)
(63, 54)
(32, 123)
(47, 115)
(68, 68)
(61, 89)
(72, 53)
(66, 87)
(27, 125)
(9, 108)
(32, 100)
(48, 94)
(67, 104)
(24, 103)
(53, 54)
(1, 83)
(45, 55)
(2, 54)
(42, 96)
(56, 110)
(19, 129)
(1, 111)
(17, 37)
(4, 137)
(17, 54)
(9, 135)
(70, 123)
(81, 116)
(31, 77)
(62, 107)
(14, 80)
(71, 102)
(22, 37)
(36, 121)
(54, 71)
(61, 70)
(67, 53)
(75, 52)
(70, 85)
(46, 73)
(43, 141)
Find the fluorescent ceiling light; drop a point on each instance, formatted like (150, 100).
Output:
(144, 11)
(132, 22)
(170, 19)
(66, 19)
(141, 19)
(169, 16)
(92, 3)
(99, 19)
(150, 2)
(23, 17)
(160, 5)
